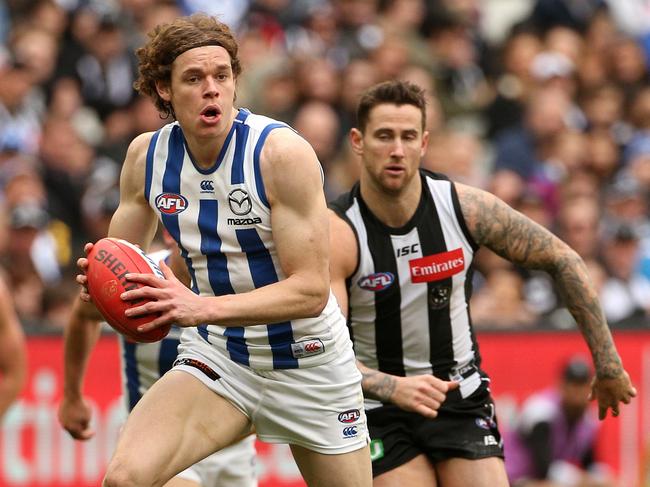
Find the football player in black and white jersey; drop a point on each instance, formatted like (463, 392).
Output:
(402, 243)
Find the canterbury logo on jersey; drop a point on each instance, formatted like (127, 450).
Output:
(307, 348)
(437, 266)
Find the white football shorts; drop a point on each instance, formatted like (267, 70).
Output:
(319, 408)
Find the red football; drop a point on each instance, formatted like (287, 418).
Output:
(108, 262)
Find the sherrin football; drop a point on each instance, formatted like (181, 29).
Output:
(109, 261)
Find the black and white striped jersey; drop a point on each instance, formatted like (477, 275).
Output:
(408, 298)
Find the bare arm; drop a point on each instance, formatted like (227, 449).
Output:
(134, 220)
(422, 394)
(299, 223)
(520, 240)
(13, 358)
(79, 339)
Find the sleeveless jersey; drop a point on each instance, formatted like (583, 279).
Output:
(144, 363)
(408, 298)
(221, 219)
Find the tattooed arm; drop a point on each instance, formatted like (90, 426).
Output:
(421, 393)
(518, 239)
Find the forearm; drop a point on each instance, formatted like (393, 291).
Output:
(80, 337)
(375, 384)
(289, 299)
(581, 299)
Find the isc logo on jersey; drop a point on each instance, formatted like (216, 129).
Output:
(171, 203)
(377, 281)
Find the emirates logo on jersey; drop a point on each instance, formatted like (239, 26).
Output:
(437, 266)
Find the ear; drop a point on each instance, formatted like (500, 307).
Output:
(356, 140)
(163, 90)
(425, 143)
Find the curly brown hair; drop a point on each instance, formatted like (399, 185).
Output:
(168, 41)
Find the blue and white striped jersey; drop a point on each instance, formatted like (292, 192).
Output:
(221, 219)
(145, 363)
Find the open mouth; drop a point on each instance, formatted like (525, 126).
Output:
(210, 114)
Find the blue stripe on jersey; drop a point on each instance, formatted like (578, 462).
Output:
(236, 345)
(218, 274)
(148, 173)
(211, 247)
(263, 273)
(131, 372)
(259, 183)
(171, 182)
(167, 354)
(237, 174)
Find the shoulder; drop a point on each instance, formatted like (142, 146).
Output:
(139, 146)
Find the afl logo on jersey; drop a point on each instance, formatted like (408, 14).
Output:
(171, 203)
(376, 282)
(239, 202)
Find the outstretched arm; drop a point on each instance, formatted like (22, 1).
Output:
(79, 339)
(13, 366)
(520, 240)
(422, 394)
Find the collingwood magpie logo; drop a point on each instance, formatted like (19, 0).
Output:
(240, 205)
(239, 202)
(207, 186)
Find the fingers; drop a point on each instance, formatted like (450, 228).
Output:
(602, 412)
(166, 270)
(426, 412)
(451, 385)
(147, 279)
(152, 325)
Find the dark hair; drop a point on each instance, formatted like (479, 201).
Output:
(577, 371)
(168, 41)
(392, 92)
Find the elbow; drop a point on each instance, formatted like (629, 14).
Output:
(316, 301)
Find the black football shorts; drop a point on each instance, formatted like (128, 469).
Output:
(464, 428)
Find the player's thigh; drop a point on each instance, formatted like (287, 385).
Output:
(461, 472)
(418, 471)
(350, 469)
(177, 422)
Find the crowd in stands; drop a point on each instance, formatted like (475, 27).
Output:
(545, 103)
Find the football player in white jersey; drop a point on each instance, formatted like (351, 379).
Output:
(402, 245)
(13, 354)
(231, 467)
(265, 345)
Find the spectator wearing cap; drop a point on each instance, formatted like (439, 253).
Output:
(625, 295)
(552, 442)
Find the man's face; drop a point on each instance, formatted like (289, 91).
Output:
(202, 91)
(391, 146)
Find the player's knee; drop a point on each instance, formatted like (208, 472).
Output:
(121, 475)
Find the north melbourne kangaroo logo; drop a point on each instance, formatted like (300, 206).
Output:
(239, 202)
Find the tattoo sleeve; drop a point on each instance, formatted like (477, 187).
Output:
(518, 239)
(375, 384)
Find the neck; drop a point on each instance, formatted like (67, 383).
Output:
(393, 208)
(205, 150)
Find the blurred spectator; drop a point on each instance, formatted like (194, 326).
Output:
(500, 303)
(625, 295)
(579, 225)
(552, 443)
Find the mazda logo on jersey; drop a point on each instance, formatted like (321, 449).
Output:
(239, 202)
(376, 282)
(437, 266)
(171, 203)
